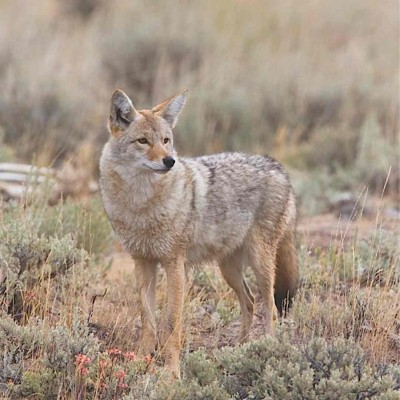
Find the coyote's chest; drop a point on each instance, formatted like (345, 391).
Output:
(144, 236)
(151, 229)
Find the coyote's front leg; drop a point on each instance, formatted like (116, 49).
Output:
(146, 275)
(171, 329)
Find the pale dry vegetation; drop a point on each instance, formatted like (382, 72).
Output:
(70, 318)
(313, 84)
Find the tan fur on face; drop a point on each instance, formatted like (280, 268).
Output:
(149, 126)
(150, 122)
(157, 152)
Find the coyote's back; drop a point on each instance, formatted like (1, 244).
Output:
(231, 208)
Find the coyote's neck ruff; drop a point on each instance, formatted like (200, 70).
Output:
(231, 208)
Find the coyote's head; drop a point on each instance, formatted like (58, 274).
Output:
(144, 138)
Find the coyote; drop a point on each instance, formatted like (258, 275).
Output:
(229, 208)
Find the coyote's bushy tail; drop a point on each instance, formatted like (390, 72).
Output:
(287, 274)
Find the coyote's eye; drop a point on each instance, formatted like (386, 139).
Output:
(166, 140)
(142, 141)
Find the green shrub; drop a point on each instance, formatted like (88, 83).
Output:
(87, 223)
(42, 247)
(378, 260)
(6, 154)
(282, 368)
(371, 261)
(18, 343)
(376, 155)
(28, 260)
(198, 369)
(40, 361)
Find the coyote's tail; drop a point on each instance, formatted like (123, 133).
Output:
(287, 274)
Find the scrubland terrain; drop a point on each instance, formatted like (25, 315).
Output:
(314, 85)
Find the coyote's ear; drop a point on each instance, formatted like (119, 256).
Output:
(171, 108)
(122, 113)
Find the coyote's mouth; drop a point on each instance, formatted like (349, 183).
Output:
(157, 169)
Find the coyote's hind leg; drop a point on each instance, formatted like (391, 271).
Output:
(262, 260)
(232, 271)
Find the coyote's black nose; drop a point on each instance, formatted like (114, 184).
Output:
(168, 161)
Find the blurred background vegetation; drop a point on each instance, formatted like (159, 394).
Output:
(314, 84)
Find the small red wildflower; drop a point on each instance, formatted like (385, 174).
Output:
(114, 352)
(81, 362)
(148, 359)
(82, 359)
(29, 295)
(103, 364)
(120, 374)
(129, 355)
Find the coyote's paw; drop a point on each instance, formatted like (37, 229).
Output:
(147, 344)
